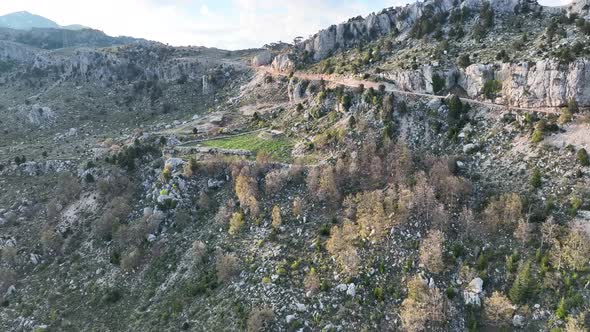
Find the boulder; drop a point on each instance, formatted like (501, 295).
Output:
(469, 148)
(214, 184)
(35, 259)
(300, 307)
(351, 291)
(175, 162)
(473, 291)
(290, 318)
(434, 104)
(518, 321)
(263, 58)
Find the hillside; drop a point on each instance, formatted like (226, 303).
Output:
(424, 168)
(27, 21)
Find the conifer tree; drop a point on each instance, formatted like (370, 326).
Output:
(521, 288)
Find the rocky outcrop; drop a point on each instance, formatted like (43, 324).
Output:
(39, 116)
(400, 19)
(546, 83)
(263, 58)
(581, 7)
(474, 77)
(473, 292)
(16, 52)
(283, 63)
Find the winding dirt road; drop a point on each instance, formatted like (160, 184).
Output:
(351, 82)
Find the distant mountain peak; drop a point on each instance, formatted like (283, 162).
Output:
(24, 20)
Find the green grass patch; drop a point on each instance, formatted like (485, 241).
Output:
(278, 148)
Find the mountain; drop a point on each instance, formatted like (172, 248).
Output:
(51, 38)
(27, 21)
(75, 27)
(423, 168)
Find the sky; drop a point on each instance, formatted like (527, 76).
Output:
(226, 24)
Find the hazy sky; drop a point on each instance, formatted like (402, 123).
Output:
(228, 24)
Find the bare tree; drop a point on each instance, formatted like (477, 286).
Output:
(498, 310)
(431, 251)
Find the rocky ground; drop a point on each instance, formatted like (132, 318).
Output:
(154, 188)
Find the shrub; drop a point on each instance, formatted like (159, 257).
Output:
(89, 178)
(236, 223)
(345, 101)
(7, 279)
(115, 212)
(378, 294)
(226, 266)
(438, 84)
(113, 186)
(131, 259)
(166, 175)
(67, 188)
(535, 179)
(51, 240)
(455, 110)
(577, 324)
(464, 61)
(199, 250)
(275, 181)
(565, 116)
(260, 319)
(576, 250)
(276, 217)
(498, 310)
(561, 311)
(224, 213)
(572, 106)
(297, 207)
(491, 88)
(311, 282)
(582, 157)
(538, 135)
(191, 167)
(9, 255)
(111, 296)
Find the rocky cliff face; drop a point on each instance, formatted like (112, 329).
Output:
(582, 7)
(136, 62)
(546, 83)
(398, 20)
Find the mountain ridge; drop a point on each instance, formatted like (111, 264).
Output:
(24, 20)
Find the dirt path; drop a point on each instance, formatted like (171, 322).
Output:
(351, 82)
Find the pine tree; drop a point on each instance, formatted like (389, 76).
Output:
(521, 288)
(535, 179)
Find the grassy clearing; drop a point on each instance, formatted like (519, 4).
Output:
(279, 148)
